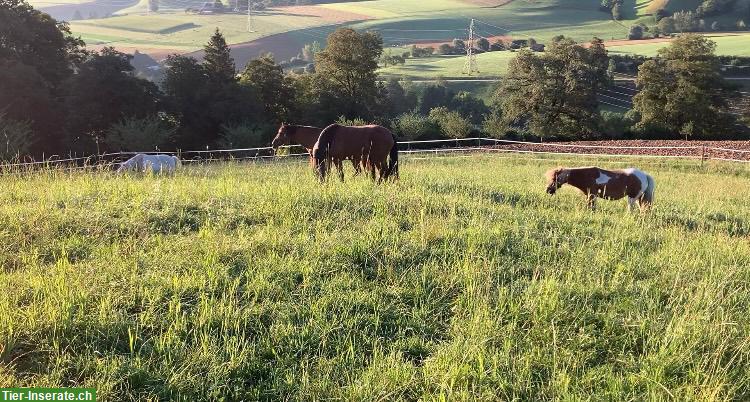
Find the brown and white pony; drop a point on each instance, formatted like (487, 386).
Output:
(595, 182)
(372, 144)
(307, 136)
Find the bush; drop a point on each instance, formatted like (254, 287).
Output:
(615, 125)
(245, 135)
(445, 49)
(459, 46)
(415, 126)
(357, 121)
(483, 44)
(636, 32)
(133, 134)
(16, 138)
(497, 45)
(451, 123)
(494, 126)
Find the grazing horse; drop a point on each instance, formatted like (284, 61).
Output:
(609, 184)
(372, 144)
(151, 163)
(307, 136)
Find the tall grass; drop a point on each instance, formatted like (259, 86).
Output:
(463, 281)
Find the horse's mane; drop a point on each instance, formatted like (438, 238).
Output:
(550, 174)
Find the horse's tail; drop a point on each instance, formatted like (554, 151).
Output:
(648, 194)
(393, 160)
(321, 148)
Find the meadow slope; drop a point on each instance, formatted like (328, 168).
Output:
(462, 281)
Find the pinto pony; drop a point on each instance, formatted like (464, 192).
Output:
(307, 136)
(376, 146)
(608, 184)
(151, 164)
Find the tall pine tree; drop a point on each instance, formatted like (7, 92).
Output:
(218, 60)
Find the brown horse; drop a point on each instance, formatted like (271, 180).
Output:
(307, 136)
(371, 144)
(608, 184)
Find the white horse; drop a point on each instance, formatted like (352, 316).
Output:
(151, 163)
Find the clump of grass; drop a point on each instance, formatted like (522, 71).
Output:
(462, 281)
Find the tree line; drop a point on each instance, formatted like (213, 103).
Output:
(58, 98)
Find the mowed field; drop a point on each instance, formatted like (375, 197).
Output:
(400, 22)
(462, 281)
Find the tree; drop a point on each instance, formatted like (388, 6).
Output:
(244, 135)
(202, 105)
(397, 98)
(310, 50)
(469, 106)
(275, 91)
(617, 10)
(555, 93)
(451, 123)
(25, 96)
(483, 45)
(415, 126)
(15, 138)
(459, 46)
(349, 63)
(497, 46)
(218, 59)
(636, 32)
(681, 90)
(433, 96)
(445, 49)
(102, 93)
(139, 134)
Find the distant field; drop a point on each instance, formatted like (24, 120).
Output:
(493, 64)
(400, 22)
(730, 45)
(464, 281)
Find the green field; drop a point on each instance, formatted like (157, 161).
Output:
(728, 45)
(464, 281)
(491, 65)
(495, 64)
(400, 22)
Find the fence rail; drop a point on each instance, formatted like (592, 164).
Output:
(489, 145)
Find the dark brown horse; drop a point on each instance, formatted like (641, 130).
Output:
(307, 136)
(595, 182)
(371, 144)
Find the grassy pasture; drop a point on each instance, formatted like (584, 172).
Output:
(730, 45)
(462, 281)
(399, 21)
(495, 64)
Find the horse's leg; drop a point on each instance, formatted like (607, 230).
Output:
(356, 165)
(382, 167)
(371, 166)
(631, 204)
(340, 167)
(592, 202)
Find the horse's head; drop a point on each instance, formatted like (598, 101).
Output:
(282, 137)
(556, 178)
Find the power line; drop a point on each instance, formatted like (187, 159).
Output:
(471, 59)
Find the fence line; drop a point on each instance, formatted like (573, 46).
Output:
(97, 159)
